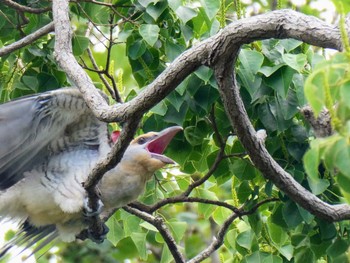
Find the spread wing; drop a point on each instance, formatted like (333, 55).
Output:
(36, 127)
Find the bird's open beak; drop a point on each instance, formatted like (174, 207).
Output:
(158, 145)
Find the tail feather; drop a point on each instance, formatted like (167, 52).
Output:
(27, 237)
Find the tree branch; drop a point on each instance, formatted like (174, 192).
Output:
(278, 24)
(181, 199)
(261, 158)
(219, 52)
(23, 8)
(158, 222)
(27, 39)
(219, 239)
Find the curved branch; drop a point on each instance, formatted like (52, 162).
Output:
(276, 24)
(27, 39)
(261, 158)
(219, 52)
(23, 8)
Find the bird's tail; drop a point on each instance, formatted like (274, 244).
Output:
(27, 237)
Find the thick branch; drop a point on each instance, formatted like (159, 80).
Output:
(213, 52)
(259, 155)
(66, 60)
(27, 40)
(277, 24)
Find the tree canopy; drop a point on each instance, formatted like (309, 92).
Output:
(262, 172)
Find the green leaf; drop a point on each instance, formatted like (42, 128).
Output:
(268, 71)
(185, 14)
(311, 161)
(287, 251)
(295, 61)
(243, 169)
(318, 186)
(291, 214)
(116, 232)
(31, 82)
(305, 255)
(220, 215)
(149, 33)
(166, 255)
(155, 10)
(80, 44)
(145, 3)
(244, 191)
(194, 135)
(205, 209)
(211, 7)
(251, 60)
(272, 259)
(172, 51)
(47, 82)
(280, 81)
(131, 224)
(328, 230)
(338, 248)
(178, 229)
(339, 155)
(290, 44)
(148, 226)
(245, 239)
(160, 109)
(306, 215)
(344, 182)
(139, 238)
(342, 6)
(136, 49)
(278, 235)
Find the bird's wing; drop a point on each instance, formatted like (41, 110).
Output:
(27, 237)
(36, 127)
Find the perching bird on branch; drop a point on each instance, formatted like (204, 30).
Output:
(49, 144)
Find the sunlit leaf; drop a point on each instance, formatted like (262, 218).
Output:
(149, 33)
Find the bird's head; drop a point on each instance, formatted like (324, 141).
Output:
(147, 150)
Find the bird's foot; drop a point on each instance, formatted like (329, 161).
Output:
(90, 212)
(98, 237)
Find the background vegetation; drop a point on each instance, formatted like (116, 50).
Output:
(124, 45)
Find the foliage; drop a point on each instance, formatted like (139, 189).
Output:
(134, 41)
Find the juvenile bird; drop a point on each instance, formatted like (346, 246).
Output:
(49, 144)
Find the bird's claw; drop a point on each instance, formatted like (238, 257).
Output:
(98, 237)
(90, 212)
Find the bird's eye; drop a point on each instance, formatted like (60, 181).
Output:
(141, 140)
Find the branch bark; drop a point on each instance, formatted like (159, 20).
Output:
(261, 158)
(220, 53)
(158, 222)
(23, 8)
(27, 39)
(278, 24)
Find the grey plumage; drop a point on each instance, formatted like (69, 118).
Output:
(52, 134)
(49, 144)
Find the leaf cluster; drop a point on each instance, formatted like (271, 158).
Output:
(125, 45)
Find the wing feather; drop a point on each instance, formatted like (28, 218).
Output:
(36, 127)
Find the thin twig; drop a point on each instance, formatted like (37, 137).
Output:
(219, 239)
(158, 222)
(23, 8)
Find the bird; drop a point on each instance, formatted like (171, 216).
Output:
(49, 144)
